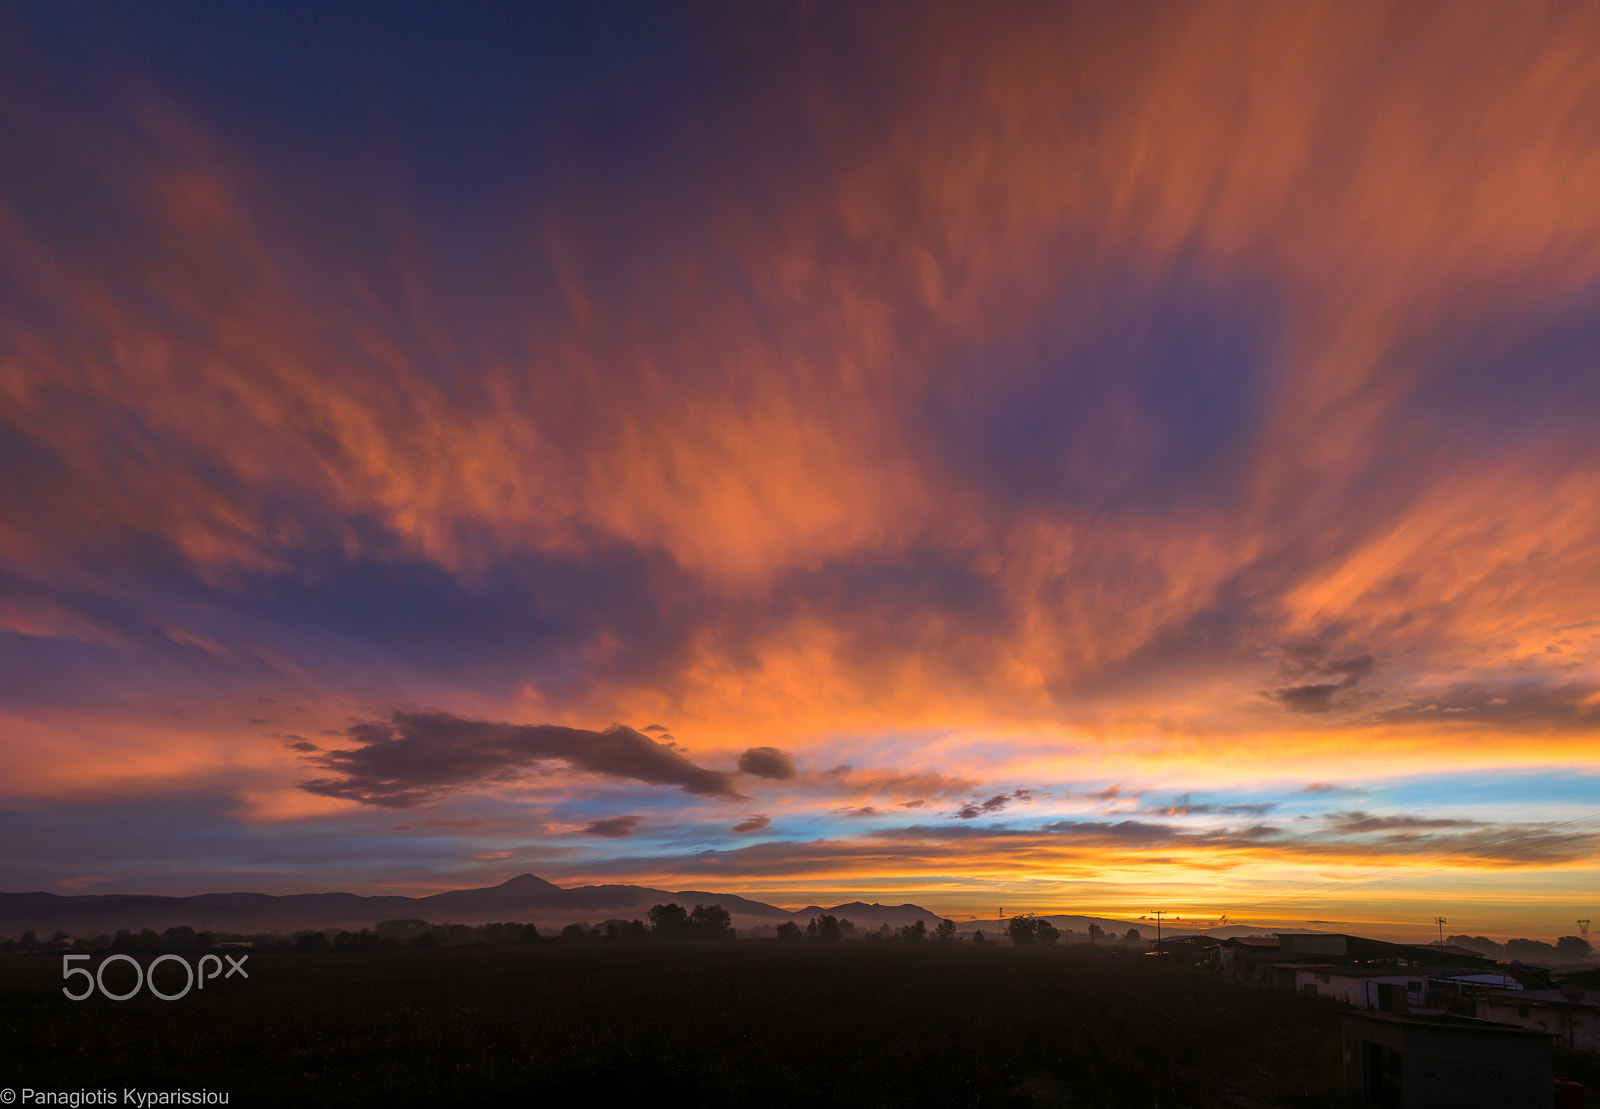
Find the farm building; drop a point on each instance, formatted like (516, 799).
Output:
(1445, 1063)
(1395, 989)
(1574, 1023)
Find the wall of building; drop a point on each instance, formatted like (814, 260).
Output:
(1575, 1027)
(1290, 943)
(1362, 992)
(1441, 1067)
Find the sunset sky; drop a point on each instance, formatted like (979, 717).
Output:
(1082, 458)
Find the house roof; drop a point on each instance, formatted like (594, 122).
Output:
(1441, 1023)
(1353, 971)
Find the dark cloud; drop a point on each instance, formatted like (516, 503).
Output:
(1319, 696)
(1361, 823)
(1324, 787)
(754, 824)
(1122, 831)
(864, 810)
(1307, 698)
(1352, 668)
(1508, 845)
(1569, 706)
(1184, 807)
(1259, 831)
(1000, 801)
(855, 782)
(767, 762)
(1116, 792)
(417, 756)
(653, 728)
(614, 827)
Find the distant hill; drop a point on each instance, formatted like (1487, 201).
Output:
(525, 898)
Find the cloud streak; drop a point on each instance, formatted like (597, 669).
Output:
(416, 757)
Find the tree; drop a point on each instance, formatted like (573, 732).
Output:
(1045, 932)
(1131, 936)
(630, 931)
(1483, 945)
(1573, 947)
(574, 932)
(977, 937)
(915, 932)
(789, 931)
(1095, 932)
(1020, 929)
(1526, 949)
(669, 922)
(824, 928)
(945, 931)
(711, 922)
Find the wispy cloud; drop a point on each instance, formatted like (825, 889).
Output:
(1065, 397)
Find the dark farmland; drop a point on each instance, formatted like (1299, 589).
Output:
(718, 1024)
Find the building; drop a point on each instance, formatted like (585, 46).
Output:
(1440, 1062)
(1306, 963)
(1396, 989)
(1571, 1020)
(1388, 989)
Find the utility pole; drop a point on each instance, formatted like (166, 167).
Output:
(1441, 922)
(1158, 914)
(1583, 928)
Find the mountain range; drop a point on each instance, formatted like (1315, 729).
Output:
(525, 898)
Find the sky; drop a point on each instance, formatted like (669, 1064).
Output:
(1077, 458)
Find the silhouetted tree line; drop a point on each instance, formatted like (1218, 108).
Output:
(148, 940)
(670, 922)
(1565, 949)
(1031, 931)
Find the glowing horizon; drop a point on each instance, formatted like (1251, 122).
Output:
(1080, 459)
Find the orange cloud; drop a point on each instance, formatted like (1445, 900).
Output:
(1087, 375)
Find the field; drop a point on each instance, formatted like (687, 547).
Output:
(719, 1024)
